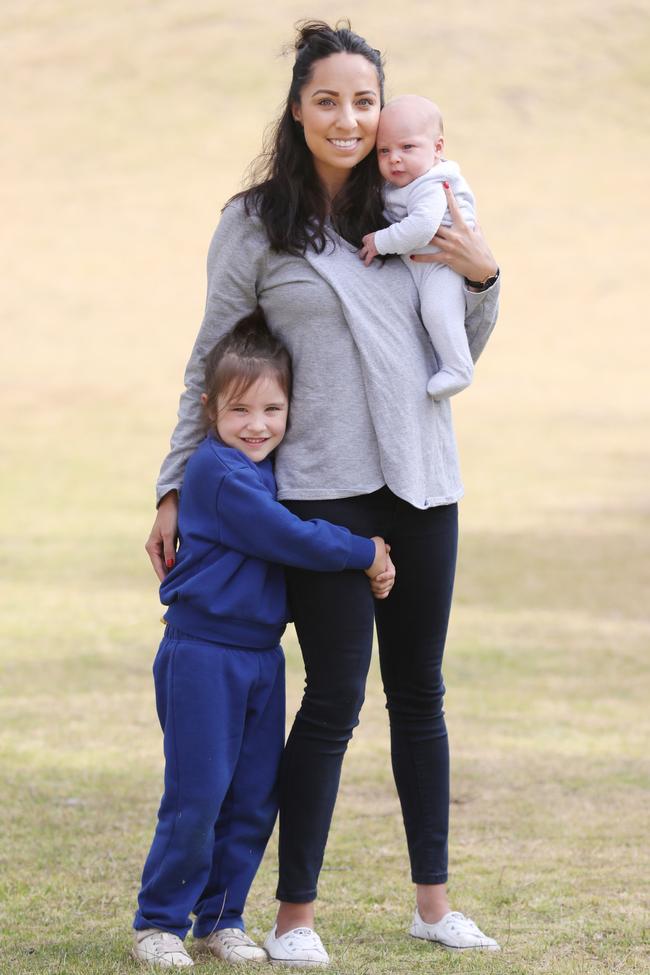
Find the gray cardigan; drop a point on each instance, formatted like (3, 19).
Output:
(360, 414)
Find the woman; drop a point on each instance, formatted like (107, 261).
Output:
(367, 448)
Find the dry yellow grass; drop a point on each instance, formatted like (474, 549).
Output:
(126, 127)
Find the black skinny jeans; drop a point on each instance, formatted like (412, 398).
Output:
(333, 614)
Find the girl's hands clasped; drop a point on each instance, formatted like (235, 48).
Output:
(382, 571)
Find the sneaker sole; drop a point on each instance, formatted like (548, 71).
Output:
(294, 963)
(443, 944)
(204, 953)
(156, 964)
(238, 960)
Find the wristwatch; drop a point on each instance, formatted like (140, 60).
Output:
(483, 285)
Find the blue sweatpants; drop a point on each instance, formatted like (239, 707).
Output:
(222, 714)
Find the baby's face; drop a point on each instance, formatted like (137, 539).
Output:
(406, 147)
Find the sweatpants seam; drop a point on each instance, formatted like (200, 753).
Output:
(176, 764)
(218, 867)
(265, 680)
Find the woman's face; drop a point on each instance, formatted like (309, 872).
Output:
(339, 111)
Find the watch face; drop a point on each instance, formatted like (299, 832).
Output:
(488, 282)
(483, 285)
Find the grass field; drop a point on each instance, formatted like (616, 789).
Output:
(127, 127)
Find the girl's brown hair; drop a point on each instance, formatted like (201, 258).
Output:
(245, 354)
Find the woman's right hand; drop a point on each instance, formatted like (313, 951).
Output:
(161, 544)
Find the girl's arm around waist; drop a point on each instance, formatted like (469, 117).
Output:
(252, 522)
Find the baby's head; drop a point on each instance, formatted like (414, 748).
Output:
(247, 388)
(410, 139)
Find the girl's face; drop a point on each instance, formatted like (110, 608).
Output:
(339, 111)
(255, 422)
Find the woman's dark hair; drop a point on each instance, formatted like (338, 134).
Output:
(284, 190)
(245, 354)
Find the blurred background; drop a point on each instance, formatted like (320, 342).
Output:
(127, 126)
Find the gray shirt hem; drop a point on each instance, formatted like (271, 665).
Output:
(335, 494)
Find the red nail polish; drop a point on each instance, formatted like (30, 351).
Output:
(169, 563)
(446, 185)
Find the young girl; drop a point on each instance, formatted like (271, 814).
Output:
(219, 672)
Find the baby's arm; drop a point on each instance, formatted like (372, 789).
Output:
(426, 206)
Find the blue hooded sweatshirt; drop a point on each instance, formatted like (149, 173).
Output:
(228, 583)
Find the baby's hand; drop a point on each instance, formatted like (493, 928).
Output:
(368, 252)
(382, 570)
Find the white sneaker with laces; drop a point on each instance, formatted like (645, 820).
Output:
(232, 945)
(156, 947)
(300, 947)
(453, 931)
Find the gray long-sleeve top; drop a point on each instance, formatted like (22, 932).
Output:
(360, 414)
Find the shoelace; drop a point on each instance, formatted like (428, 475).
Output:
(166, 941)
(305, 937)
(463, 920)
(234, 939)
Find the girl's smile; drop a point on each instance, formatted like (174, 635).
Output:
(254, 422)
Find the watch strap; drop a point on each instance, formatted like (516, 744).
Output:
(483, 285)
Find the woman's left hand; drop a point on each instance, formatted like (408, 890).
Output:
(462, 248)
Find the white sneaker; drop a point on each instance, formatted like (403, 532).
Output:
(300, 947)
(453, 931)
(156, 947)
(233, 946)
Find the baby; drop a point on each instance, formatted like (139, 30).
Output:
(410, 144)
